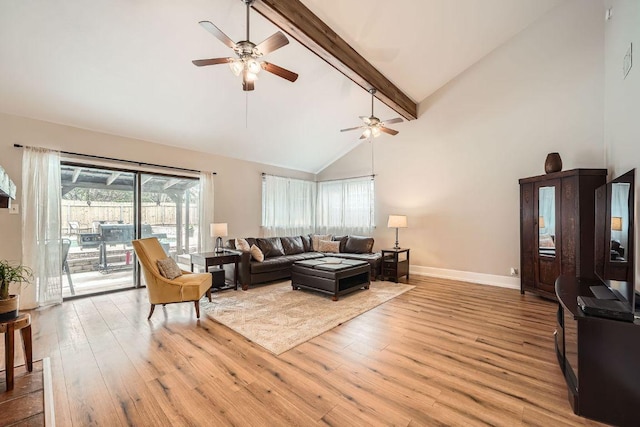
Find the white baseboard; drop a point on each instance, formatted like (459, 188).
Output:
(467, 276)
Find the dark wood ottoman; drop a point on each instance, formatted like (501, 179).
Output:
(321, 274)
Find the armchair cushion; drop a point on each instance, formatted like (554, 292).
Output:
(168, 268)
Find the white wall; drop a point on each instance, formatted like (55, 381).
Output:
(622, 99)
(238, 184)
(455, 170)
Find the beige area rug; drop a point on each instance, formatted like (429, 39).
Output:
(279, 318)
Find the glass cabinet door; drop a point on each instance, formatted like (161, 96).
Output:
(547, 221)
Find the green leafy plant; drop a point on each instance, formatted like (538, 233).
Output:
(9, 274)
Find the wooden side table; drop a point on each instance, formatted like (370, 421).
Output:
(22, 323)
(209, 259)
(395, 264)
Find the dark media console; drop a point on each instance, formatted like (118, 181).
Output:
(598, 356)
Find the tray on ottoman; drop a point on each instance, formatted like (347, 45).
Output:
(334, 276)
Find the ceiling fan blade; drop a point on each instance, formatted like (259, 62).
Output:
(365, 119)
(276, 41)
(218, 33)
(391, 121)
(387, 130)
(279, 71)
(348, 129)
(212, 61)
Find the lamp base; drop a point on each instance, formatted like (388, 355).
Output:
(219, 247)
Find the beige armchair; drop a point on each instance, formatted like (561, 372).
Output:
(188, 287)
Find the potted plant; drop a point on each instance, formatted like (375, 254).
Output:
(10, 273)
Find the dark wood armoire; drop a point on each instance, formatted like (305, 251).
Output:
(557, 213)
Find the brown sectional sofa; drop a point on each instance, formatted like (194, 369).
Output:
(281, 252)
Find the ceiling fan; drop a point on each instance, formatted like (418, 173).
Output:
(248, 54)
(373, 126)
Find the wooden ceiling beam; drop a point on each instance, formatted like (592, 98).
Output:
(299, 22)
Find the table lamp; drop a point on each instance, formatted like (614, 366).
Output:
(219, 230)
(397, 221)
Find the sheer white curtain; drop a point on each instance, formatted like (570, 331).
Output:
(287, 206)
(205, 204)
(41, 244)
(345, 206)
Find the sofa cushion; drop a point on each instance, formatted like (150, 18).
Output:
(256, 253)
(271, 247)
(315, 240)
(272, 264)
(342, 240)
(306, 243)
(292, 245)
(358, 245)
(329, 246)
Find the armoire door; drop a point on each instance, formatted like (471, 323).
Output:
(547, 229)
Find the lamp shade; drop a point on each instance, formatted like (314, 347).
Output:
(219, 229)
(540, 222)
(616, 223)
(397, 221)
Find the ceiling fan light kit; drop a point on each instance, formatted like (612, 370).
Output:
(247, 63)
(373, 126)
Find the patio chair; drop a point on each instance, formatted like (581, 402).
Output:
(188, 287)
(66, 244)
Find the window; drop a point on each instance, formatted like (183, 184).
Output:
(287, 206)
(292, 207)
(345, 206)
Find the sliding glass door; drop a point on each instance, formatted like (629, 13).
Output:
(103, 210)
(97, 220)
(169, 211)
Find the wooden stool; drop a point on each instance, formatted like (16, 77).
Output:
(22, 322)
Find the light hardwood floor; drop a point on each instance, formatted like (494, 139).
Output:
(444, 353)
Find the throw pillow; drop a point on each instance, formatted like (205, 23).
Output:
(242, 245)
(329, 246)
(315, 240)
(168, 268)
(256, 253)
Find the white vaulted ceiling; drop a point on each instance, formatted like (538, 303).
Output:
(124, 67)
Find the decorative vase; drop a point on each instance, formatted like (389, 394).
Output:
(9, 308)
(553, 163)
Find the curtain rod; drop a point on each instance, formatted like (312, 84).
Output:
(327, 180)
(91, 156)
(352, 177)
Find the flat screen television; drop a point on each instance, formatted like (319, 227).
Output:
(614, 236)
